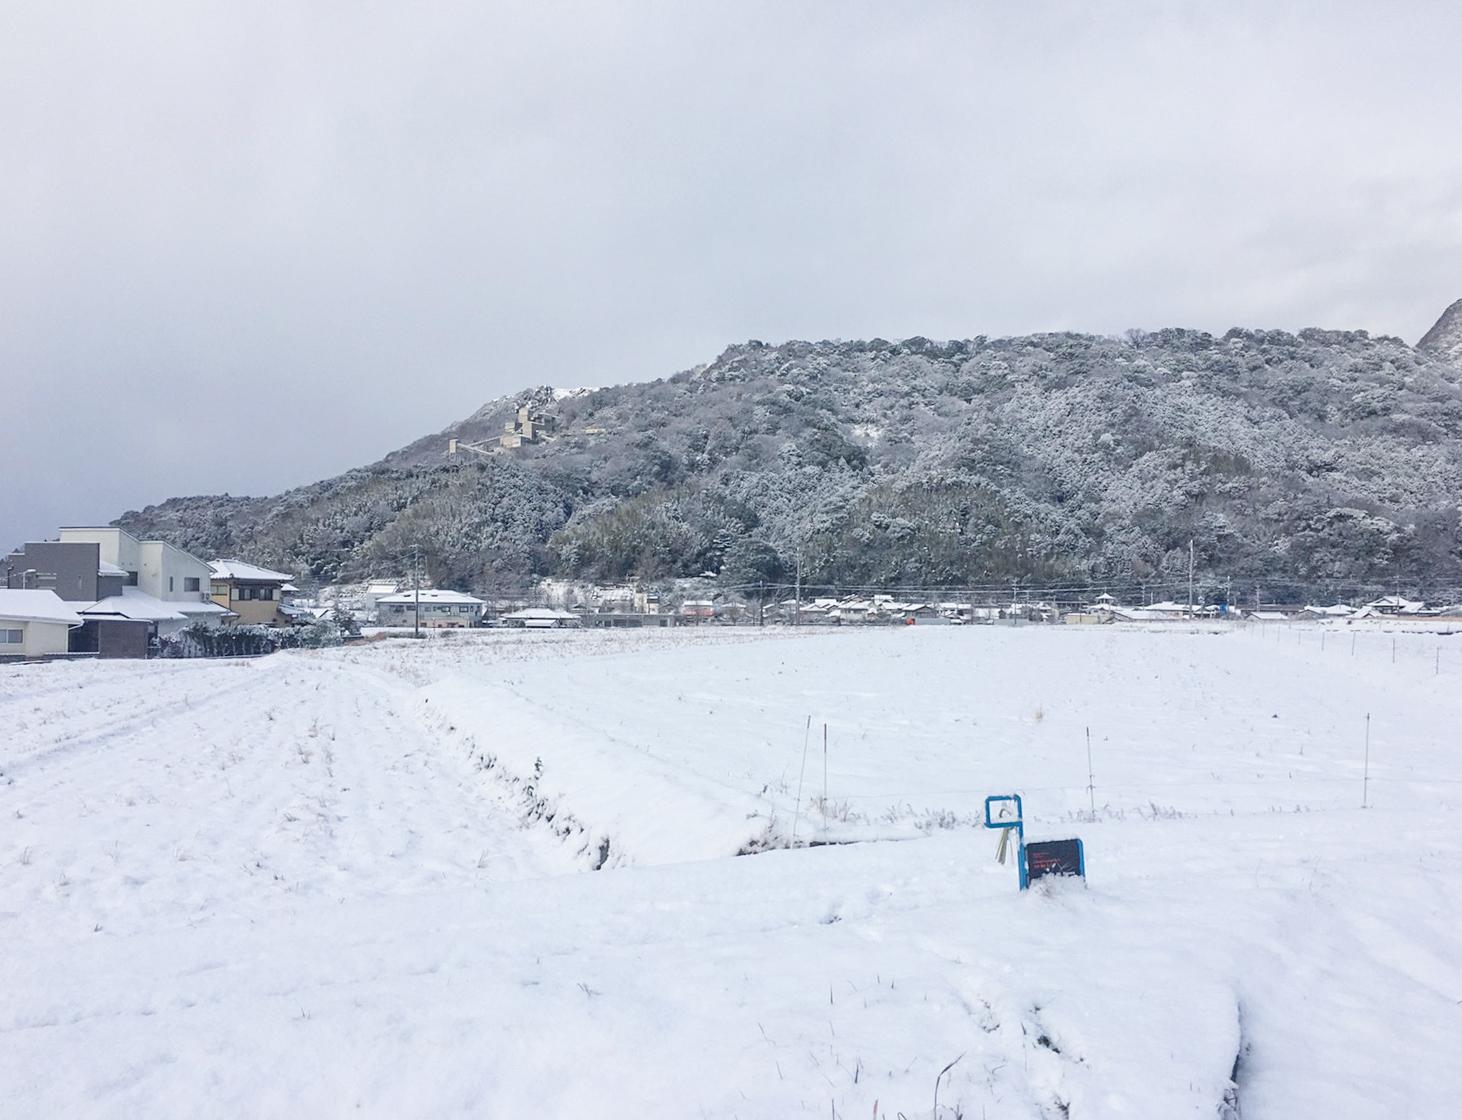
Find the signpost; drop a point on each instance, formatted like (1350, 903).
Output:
(1054, 857)
(1039, 858)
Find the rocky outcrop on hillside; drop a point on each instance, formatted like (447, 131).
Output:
(1309, 463)
(1445, 337)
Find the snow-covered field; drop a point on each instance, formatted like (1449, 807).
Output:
(359, 881)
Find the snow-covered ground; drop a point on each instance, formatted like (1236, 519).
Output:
(358, 881)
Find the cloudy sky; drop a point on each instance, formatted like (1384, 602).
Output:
(245, 246)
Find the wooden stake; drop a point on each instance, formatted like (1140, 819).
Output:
(806, 735)
(824, 774)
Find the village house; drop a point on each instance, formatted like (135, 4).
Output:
(375, 590)
(253, 593)
(437, 609)
(697, 610)
(1339, 610)
(35, 623)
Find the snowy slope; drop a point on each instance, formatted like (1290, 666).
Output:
(290, 886)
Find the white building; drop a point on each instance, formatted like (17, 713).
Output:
(35, 623)
(155, 568)
(436, 608)
(542, 618)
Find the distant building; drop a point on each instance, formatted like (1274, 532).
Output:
(436, 608)
(1393, 606)
(1339, 610)
(542, 618)
(375, 591)
(525, 428)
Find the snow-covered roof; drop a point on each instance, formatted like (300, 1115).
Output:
(1339, 610)
(1397, 603)
(541, 612)
(382, 587)
(106, 569)
(238, 569)
(136, 605)
(433, 595)
(289, 587)
(201, 607)
(1269, 616)
(37, 606)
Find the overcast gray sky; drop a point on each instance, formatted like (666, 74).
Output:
(246, 246)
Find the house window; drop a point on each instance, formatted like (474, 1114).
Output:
(464, 610)
(12, 637)
(170, 584)
(190, 583)
(265, 593)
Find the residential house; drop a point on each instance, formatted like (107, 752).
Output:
(253, 593)
(374, 591)
(126, 591)
(1393, 606)
(436, 608)
(697, 610)
(35, 623)
(1339, 610)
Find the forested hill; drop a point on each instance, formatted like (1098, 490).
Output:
(1299, 462)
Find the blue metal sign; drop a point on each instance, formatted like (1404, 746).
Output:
(1040, 858)
(1010, 814)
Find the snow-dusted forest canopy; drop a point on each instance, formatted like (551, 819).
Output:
(1323, 462)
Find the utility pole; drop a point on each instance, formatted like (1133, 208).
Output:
(1190, 577)
(761, 604)
(797, 617)
(416, 590)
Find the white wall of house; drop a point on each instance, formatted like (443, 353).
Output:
(171, 574)
(37, 639)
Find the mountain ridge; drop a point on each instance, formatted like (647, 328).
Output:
(1303, 462)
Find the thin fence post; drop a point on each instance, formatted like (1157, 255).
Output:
(797, 817)
(1365, 786)
(1090, 780)
(824, 773)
